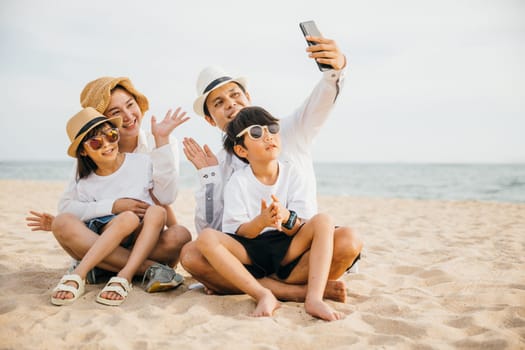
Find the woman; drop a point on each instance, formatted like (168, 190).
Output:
(118, 97)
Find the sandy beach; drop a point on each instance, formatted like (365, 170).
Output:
(434, 275)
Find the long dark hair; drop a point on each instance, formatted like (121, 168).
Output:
(86, 165)
(246, 117)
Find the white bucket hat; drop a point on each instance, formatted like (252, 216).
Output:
(211, 78)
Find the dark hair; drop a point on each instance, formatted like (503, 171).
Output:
(86, 165)
(246, 117)
(121, 87)
(205, 107)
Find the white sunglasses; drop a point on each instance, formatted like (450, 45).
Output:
(257, 131)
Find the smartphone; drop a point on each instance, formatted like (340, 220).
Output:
(309, 28)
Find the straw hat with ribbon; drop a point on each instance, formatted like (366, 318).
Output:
(210, 79)
(97, 93)
(81, 123)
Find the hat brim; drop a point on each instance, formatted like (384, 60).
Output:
(198, 105)
(72, 149)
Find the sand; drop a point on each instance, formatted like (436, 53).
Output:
(434, 275)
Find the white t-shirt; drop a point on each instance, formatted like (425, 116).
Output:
(243, 194)
(132, 180)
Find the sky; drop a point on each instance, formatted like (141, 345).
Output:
(426, 81)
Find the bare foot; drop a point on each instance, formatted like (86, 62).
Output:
(209, 291)
(336, 291)
(322, 310)
(66, 295)
(266, 305)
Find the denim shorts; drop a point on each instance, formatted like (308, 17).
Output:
(97, 224)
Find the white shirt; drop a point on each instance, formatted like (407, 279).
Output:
(243, 194)
(132, 180)
(297, 133)
(165, 162)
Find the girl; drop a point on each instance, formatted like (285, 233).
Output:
(105, 174)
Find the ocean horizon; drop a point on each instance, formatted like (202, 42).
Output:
(484, 182)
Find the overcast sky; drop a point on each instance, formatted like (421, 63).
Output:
(427, 81)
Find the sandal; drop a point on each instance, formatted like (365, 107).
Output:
(122, 289)
(63, 287)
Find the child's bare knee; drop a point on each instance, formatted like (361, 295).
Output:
(156, 212)
(207, 238)
(325, 220)
(346, 243)
(128, 217)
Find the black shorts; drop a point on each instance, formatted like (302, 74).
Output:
(266, 252)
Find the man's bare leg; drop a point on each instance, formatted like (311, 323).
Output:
(334, 290)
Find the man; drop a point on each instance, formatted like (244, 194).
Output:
(220, 98)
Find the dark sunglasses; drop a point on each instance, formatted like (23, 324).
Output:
(96, 142)
(257, 131)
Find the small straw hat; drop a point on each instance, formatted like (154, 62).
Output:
(97, 93)
(81, 123)
(211, 78)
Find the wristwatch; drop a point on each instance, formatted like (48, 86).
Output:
(291, 220)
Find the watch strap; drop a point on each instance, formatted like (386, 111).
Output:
(291, 220)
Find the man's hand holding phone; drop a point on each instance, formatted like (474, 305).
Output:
(325, 51)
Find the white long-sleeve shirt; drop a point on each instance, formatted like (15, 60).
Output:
(134, 179)
(165, 176)
(297, 133)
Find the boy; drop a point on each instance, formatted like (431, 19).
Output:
(268, 239)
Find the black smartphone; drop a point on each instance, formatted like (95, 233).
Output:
(309, 28)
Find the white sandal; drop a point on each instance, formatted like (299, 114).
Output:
(122, 289)
(63, 287)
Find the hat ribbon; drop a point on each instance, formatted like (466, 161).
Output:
(215, 83)
(89, 124)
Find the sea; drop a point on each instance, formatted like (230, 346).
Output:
(483, 182)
